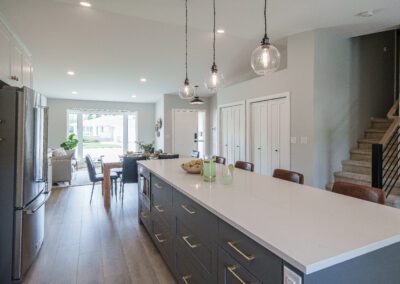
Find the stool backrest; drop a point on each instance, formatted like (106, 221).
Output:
(289, 176)
(247, 166)
(360, 191)
(130, 169)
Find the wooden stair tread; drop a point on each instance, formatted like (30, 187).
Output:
(368, 141)
(361, 151)
(381, 119)
(375, 130)
(357, 163)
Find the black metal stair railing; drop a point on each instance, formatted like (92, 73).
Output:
(386, 163)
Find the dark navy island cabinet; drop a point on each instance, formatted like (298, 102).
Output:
(198, 247)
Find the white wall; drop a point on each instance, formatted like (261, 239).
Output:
(58, 117)
(159, 113)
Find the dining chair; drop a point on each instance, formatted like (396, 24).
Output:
(289, 176)
(220, 160)
(247, 166)
(129, 172)
(360, 191)
(96, 177)
(195, 154)
(168, 156)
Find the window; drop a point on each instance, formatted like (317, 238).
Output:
(103, 133)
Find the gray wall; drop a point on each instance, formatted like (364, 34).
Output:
(58, 117)
(297, 79)
(159, 113)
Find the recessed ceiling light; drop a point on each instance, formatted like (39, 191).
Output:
(143, 80)
(366, 14)
(74, 92)
(133, 96)
(220, 31)
(71, 73)
(85, 4)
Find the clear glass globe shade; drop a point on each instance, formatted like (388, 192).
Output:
(214, 81)
(186, 92)
(265, 59)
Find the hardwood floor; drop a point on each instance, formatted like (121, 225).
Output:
(85, 244)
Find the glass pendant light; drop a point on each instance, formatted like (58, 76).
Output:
(196, 100)
(266, 58)
(216, 78)
(186, 92)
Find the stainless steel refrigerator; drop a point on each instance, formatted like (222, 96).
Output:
(23, 179)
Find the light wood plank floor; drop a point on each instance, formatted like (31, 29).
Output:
(86, 244)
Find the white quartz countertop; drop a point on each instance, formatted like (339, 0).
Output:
(310, 228)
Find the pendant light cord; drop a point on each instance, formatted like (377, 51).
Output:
(214, 34)
(186, 42)
(265, 40)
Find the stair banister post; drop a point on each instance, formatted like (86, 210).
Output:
(377, 161)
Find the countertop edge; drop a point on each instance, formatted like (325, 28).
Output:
(305, 268)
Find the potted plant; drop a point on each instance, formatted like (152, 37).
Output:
(146, 148)
(70, 144)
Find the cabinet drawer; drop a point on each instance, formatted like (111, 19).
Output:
(231, 271)
(186, 268)
(255, 258)
(163, 240)
(144, 214)
(164, 214)
(196, 218)
(161, 191)
(204, 253)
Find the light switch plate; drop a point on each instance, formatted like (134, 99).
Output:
(293, 140)
(291, 277)
(303, 140)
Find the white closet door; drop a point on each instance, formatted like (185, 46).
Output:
(264, 143)
(236, 146)
(255, 137)
(231, 131)
(224, 132)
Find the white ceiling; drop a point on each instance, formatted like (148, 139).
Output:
(113, 44)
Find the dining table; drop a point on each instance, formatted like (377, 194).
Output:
(109, 163)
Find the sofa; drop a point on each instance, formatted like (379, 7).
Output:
(63, 162)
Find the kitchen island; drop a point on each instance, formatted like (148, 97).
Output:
(264, 230)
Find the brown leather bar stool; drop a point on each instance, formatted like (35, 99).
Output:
(247, 166)
(220, 160)
(360, 191)
(289, 176)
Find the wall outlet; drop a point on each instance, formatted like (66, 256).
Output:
(293, 140)
(303, 140)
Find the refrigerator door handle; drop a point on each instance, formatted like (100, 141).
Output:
(29, 210)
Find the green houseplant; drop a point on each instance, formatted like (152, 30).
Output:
(70, 143)
(147, 148)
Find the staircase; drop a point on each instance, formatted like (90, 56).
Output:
(358, 168)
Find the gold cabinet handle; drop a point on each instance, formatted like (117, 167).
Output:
(186, 239)
(143, 215)
(186, 278)
(157, 185)
(158, 238)
(158, 208)
(245, 256)
(232, 271)
(187, 209)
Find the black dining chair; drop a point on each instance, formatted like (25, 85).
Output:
(168, 156)
(129, 172)
(195, 154)
(95, 177)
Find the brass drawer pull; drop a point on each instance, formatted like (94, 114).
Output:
(144, 215)
(157, 185)
(186, 278)
(158, 208)
(187, 209)
(245, 256)
(186, 239)
(232, 269)
(158, 239)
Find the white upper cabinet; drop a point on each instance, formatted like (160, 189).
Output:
(15, 63)
(5, 42)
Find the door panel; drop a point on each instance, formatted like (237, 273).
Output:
(264, 143)
(16, 64)
(4, 55)
(185, 128)
(255, 137)
(27, 72)
(224, 132)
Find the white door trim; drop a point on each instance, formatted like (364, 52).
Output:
(219, 109)
(285, 95)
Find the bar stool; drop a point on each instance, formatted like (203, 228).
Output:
(220, 160)
(360, 191)
(289, 176)
(247, 166)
